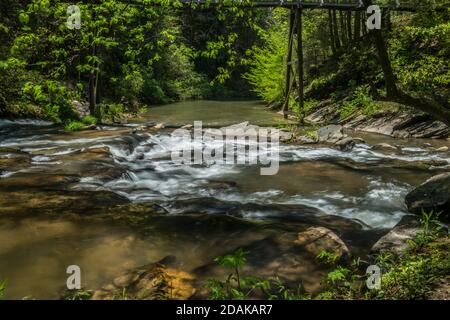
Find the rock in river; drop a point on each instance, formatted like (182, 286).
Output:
(432, 195)
(153, 281)
(396, 240)
(330, 134)
(384, 147)
(317, 239)
(346, 144)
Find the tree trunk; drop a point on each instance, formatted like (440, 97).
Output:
(389, 78)
(438, 111)
(349, 26)
(343, 28)
(330, 26)
(337, 41)
(357, 32)
(93, 77)
(92, 95)
(432, 107)
(363, 24)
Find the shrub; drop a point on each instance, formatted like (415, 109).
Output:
(89, 120)
(267, 65)
(52, 97)
(74, 126)
(109, 112)
(361, 100)
(238, 287)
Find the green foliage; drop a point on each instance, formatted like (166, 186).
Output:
(52, 97)
(74, 125)
(431, 230)
(322, 83)
(413, 274)
(361, 100)
(89, 120)
(110, 112)
(13, 77)
(337, 275)
(2, 288)
(420, 50)
(327, 257)
(236, 287)
(141, 54)
(267, 64)
(80, 294)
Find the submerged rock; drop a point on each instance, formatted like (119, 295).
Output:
(25, 201)
(317, 239)
(271, 257)
(159, 126)
(188, 126)
(149, 282)
(384, 147)
(442, 149)
(432, 195)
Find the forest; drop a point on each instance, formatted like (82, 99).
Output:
(91, 91)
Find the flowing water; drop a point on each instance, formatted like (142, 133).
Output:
(89, 198)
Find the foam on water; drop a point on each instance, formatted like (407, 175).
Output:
(152, 175)
(24, 122)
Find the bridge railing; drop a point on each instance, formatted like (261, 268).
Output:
(349, 4)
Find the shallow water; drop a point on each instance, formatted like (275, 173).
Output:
(214, 113)
(212, 209)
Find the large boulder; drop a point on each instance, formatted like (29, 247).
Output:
(330, 134)
(432, 195)
(346, 144)
(396, 240)
(317, 239)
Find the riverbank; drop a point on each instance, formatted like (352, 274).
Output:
(386, 118)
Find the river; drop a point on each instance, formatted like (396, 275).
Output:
(112, 199)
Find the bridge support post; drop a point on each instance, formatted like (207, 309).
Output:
(300, 64)
(295, 27)
(287, 93)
